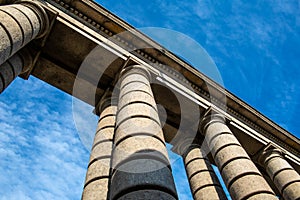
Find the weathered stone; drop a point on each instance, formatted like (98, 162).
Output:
(24, 25)
(100, 159)
(5, 45)
(276, 165)
(222, 140)
(140, 159)
(285, 178)
(203, 181)
(96, 190)
(12, 68)
(139, 126)
(102, 149)
(292, 191)
(237, 168)
(210, 193)
(13, 30)
(135, 86)
(127, 178)
(19, 25)
(98, 169)
(34, 19)
(135, 95)
(262, 196)
(249, 186)
(228, 153)
(147, 195)
(137, 110)
(239, 173)
(104, 134)
(139, 145)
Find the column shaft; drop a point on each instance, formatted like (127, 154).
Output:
(14, 66)
(242, 178)
(98, 173)
(285, 178)
(19, 24)
(203, 180)
(140, 161)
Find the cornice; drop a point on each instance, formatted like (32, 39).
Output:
(72, 7)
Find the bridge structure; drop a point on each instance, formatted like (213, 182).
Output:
(88, 52)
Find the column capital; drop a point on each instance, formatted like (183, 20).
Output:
(269, 152)
(40, 12)
(140, 69)
(108, 99)
(209, 118)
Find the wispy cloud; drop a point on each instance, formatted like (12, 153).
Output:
(41, 154)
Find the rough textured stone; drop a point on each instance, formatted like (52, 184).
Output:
(5, 47)
(147, 195)
(10, 69)
(102, 149)
(239, 173)
(34, 19)
(99, 168)
(292, 191)
(100, 159)
(136, 126)
(124, 182)
(13, 30)
(285, 178)
(203, 181)
(7, 73)
(276, 165)
(17, 29)
(139, 145)
(25, 25)
(135, 86)
(137, 109)
(222, 140)
(236, 168)
(142, 95)
(140, 161)
(249, 186)
(210, 193)
(229, 153)
(214, 128)
(104, 134)
(96, 190)
(262, 196)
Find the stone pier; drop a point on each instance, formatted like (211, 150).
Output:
(17, 64)
(98, 173)
(202, 178)
(19, 24)
(242, 178)
(141, 168)
(285, 178)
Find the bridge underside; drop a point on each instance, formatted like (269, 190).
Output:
(86, 48)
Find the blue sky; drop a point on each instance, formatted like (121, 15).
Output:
(255, 45)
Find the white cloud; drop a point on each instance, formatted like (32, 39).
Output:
(40, 151)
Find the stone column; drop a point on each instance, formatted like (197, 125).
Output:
(141, 168)
(242, 178)
(204, 182)
(19, 24)
(285, 178)
(98, 174)
(14, 66)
